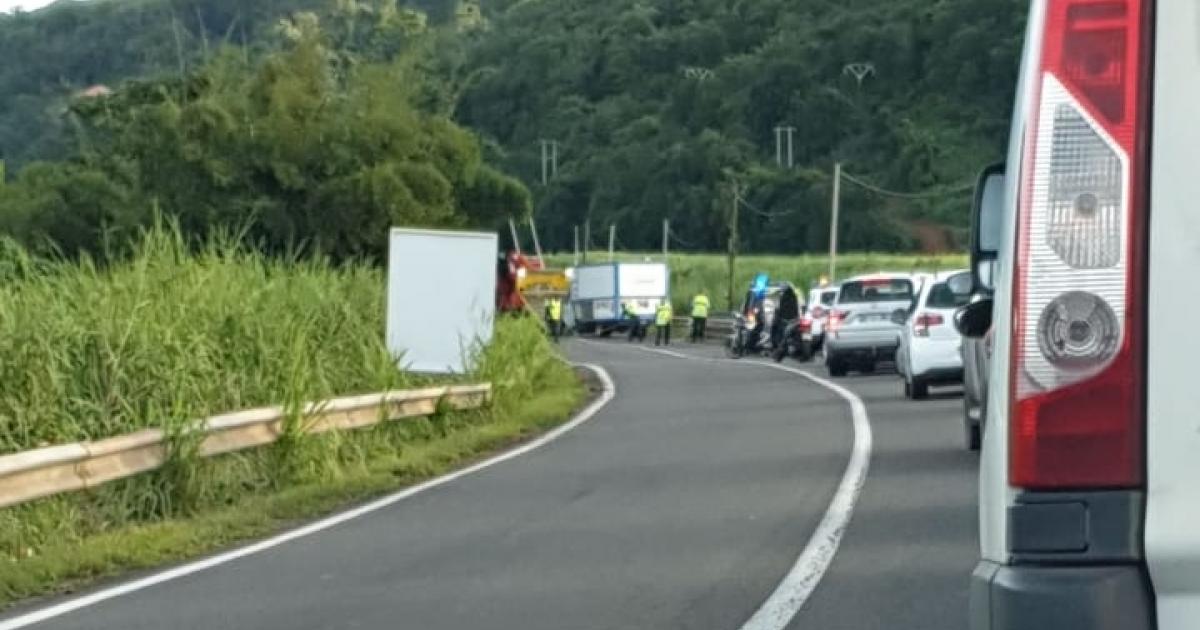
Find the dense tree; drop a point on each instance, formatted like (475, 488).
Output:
(658, 106)
(318, 144)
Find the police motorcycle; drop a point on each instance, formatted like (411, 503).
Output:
(797, 340)
(751, 332)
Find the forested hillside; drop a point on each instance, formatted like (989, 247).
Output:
(653, 100)
(658, 107)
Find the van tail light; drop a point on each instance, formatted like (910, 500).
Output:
(923, 322)
(1078, 410)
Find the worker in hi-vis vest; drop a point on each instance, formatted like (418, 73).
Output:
(662, 323)
(554, 317)
(700, 306)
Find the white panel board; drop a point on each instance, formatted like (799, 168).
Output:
(441, 297)
(644, 280)
(595, 282)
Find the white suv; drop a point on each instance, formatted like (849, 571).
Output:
(930, 351)
(860, 331)
(1090, 468)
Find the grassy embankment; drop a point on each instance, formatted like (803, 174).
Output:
(692, 272)
(172, 336)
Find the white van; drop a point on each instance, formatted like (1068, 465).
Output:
(1090, 467)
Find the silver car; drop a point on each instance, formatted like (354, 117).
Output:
(862, 328)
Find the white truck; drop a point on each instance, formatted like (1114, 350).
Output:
(598, 292)
(1090, 467)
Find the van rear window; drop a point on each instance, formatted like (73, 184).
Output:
(942, 296)
(883, 290)
(828, 297)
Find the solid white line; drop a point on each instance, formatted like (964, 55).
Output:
(789, 597)
(794, 590)
(77, 603)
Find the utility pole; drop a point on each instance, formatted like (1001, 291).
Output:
(587, 239)
(779, 147)
(576, 245)
(833, 221)
(733, 237)
(791, 162)
(666, 237)
(549, 160)
(612, 240)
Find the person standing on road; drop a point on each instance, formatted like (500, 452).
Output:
(662, 324)
(636, 332)
(554, 317)
(700, 306)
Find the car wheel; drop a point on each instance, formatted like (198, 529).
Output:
(907, 388)
(920, 389)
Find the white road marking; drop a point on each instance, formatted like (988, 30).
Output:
(790, 595)
(84, 601)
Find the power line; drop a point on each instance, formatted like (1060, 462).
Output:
(680, 241)
(901, 195)
(763, 213)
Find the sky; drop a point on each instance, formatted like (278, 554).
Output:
(7, 6)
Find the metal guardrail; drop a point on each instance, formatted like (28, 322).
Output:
(717, 326)
(42, 472)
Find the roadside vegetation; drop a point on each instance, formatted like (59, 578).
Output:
(175, 333)
(692, 272)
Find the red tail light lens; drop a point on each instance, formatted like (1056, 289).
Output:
(925, 321)
(836, 318)
(1076, 386)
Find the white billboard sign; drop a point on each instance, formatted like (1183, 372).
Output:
(440, 297)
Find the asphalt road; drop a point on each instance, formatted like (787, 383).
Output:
(680, 505)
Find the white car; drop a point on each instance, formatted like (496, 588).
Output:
(860, 331)
(930, 350)
(1089, 496)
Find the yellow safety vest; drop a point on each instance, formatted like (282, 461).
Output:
(662, 316)
(700, 306)
(555, 310)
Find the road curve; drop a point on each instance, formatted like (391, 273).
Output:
(682, 504)
(905, 560)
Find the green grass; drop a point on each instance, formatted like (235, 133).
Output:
(174, 334)
(692, 272)
(67, 559)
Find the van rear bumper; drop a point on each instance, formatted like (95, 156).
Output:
(1024, 597)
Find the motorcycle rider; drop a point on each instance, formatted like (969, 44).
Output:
(788, 311)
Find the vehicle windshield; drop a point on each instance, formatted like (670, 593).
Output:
(828, 297)
(882, 290)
